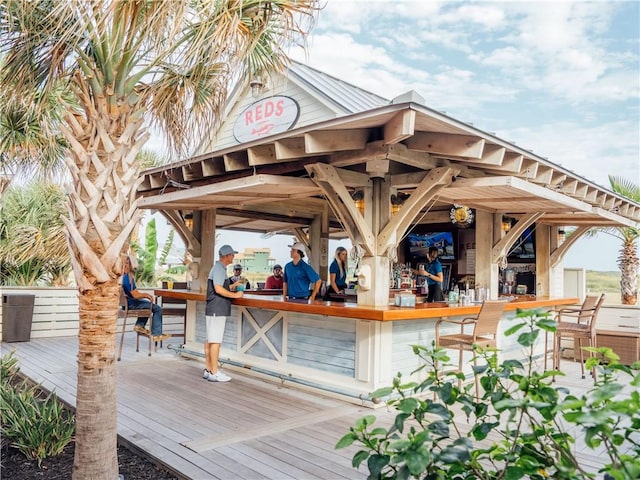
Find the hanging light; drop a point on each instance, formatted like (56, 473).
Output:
(397, 201)
(561, 235)
(506, 224)
(358, 198)
(188, 220)
(257, 86)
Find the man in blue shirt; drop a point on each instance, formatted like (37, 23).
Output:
(434, 276)
(298, 275)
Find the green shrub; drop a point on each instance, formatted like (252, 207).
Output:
(529, 420)
(38, 427)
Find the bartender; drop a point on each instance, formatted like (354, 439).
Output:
(433, 273)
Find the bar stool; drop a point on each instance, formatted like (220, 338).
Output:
(485, 333)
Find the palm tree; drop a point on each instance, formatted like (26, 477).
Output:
(628, 260)
(126, 66)
(33, 244)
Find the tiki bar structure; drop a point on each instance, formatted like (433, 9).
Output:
(309, 155)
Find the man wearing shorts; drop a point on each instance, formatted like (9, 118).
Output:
(218, 309)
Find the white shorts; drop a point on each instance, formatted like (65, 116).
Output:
(215, 328)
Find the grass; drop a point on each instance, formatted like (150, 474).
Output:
(606, 282)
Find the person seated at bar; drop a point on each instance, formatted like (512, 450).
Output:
(338, 273)
(237, 279)
(139, 300)
(298, 275)
(434, 275)
(274, 282)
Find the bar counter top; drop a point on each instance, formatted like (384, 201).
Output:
(382, 314)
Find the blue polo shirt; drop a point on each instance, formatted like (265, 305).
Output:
(298, 278)
(434, 268)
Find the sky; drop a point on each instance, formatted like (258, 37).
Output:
(558, 78)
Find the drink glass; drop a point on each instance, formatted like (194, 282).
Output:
(170, 284)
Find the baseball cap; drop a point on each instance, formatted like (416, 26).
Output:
(298, 246)
(277, 265)
(237, 266)
(226, 250)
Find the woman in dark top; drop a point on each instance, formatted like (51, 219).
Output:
(338, 273)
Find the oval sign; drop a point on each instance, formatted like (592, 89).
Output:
(266, 117)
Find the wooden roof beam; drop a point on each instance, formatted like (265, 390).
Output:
(328, 180)
(372, 151)
(400, 127)
(544, 175)
(329, 141)
(436, 180)
(500, 249)
(591, 195)
(530, 168)
(570, 186)
(511, 163)
(261, 155)
(291, 148)
(191, 171)
(558, 253)
(235, 161)
(447, 144)
(212, 167)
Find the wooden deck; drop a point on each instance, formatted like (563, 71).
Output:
(248, 428)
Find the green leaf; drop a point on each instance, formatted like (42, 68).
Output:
(359, 457)
(528, 338)
(513, 473)
(376, 463)
(417, 461)
(398, 423)
(407, 405)
(347, 440)
(363, 422)
(480, 431)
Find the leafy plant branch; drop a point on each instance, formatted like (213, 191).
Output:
(519, 427)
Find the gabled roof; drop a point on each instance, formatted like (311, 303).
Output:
(265, 185)
(345, 96)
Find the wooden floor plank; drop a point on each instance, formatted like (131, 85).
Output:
(249, 428)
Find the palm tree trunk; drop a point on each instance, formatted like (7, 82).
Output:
(628, 262)
(96, 412)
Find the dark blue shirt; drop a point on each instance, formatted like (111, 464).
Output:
(341, 280)
(434, 268)
(298, 278)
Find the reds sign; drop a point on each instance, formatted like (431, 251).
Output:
(266, 117)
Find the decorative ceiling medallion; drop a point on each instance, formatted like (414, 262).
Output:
(461, 216)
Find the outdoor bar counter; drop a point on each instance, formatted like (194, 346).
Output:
(338, 348)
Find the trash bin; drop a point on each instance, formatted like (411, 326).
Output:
(17, 315)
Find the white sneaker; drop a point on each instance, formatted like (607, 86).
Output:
(205, 374)
(219, 376)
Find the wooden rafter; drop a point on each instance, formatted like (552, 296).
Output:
(427, 189)
(333, 187)
(501, 248)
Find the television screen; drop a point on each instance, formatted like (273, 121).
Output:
(419, 244)
(524, 248)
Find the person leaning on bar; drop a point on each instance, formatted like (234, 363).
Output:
(298, 275)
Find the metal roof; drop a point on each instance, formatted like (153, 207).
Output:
(345, 96)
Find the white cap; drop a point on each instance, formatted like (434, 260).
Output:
(298, 246)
